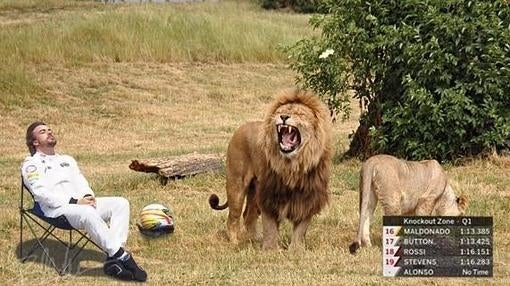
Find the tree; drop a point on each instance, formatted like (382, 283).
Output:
(436, 73)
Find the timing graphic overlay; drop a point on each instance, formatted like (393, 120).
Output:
(417, 246)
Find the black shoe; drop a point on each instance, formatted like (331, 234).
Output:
(129, 263)
(115, 268)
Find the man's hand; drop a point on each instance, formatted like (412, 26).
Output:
(88, 200)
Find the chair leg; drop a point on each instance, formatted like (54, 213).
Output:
(39, 244)
(47, 232)
(21, 234)
(67, 261)
(80, 244)
(70, 262)
(65, 243)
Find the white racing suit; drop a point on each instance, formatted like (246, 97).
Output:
(56, 183)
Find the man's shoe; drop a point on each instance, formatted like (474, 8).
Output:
(129, 263)
(115, 268)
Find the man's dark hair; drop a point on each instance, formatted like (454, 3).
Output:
(30, 136)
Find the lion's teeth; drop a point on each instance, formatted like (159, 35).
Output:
(279, 128)
(289, 129)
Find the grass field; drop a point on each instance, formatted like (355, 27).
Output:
(161, 80)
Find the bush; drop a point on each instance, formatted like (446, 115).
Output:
(303, 6)
(436, 73)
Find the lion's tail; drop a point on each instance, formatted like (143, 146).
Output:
(214, 202)
(462, 202)
(353, 248)
(365, 211)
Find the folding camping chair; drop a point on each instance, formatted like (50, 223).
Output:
(35, 217)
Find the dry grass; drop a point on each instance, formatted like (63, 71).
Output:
(132, 111)
(106, 114)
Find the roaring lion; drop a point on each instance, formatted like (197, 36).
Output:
(281, 166)
(404, 188)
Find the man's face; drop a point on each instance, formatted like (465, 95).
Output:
(43, 137)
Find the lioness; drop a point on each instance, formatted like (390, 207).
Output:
(281, 166)
(404, 188)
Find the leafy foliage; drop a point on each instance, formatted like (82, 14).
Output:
(304, 6)
(436, 73)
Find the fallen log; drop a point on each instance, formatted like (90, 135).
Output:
(177, 167)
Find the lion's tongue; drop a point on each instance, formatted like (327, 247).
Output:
(289, 138)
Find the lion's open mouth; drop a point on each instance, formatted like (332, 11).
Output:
(288, 137)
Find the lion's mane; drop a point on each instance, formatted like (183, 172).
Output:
(298, 185)
(312, 152)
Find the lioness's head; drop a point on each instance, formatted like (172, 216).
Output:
(451, 205)
(296, 132)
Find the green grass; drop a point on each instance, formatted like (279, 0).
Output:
(233, 32)
(150, 103)
(229, 33)
(17, 86)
